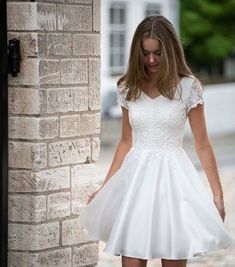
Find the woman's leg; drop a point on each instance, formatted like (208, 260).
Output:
(173, 263)
(133, 262)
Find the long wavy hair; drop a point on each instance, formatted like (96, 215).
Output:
(172, 60)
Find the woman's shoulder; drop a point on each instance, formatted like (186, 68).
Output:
(191, 83)
(195, 94)
(190, 79)
(121, 89)
(121, 94)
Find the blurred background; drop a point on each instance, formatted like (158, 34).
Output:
(207, 31)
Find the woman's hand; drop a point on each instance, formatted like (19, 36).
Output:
(219, 203)
(93, 195)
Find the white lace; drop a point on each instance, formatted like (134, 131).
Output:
(195, 96)
(158, 124)
(121, 95)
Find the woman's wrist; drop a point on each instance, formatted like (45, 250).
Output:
(102, 186)
(218, 197)
(218, 193)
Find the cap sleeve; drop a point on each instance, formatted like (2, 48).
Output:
(195, 96)
(121, 95)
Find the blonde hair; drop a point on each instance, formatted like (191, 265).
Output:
(172, 60)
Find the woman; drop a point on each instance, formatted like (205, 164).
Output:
(152, 203)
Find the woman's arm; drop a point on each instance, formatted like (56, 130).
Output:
(206, 155)
(123, 146)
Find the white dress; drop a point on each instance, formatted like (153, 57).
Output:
(156, 205)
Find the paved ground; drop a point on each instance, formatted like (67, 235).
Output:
(224, 148)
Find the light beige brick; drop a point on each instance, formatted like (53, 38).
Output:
(67, 99)
(85, 179)
(26, 101)
(33, 128)
(94, 98)
(69, 152)
(28, 43)
(95, 148)
(72, 233)
(33, 237)
(48, 127)
(27, 208)
(59, 44)
(42, 181)
(96, 15)
(58, 205)
(49, 71)
(51, 1)
(70, 125)
(27, 155)
(85, 173)
(81, 1)
(86, 254)
(90, 124)
(80, 99)
(52, 179)
(28, 73)
(52, 258)
(86, 44)
(46, 15)
(68, 19)
(22, 16)
(94, 82)
(74, 71)
(55, 258)
(21, 181)
(42, 44)
(94, 71)
(18, 259)
(59, 100)
(80, 196)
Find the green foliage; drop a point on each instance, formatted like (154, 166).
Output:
(207, 30)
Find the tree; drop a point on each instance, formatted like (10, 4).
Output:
(208, 32)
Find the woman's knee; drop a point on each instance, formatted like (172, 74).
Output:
(133, 262)
(173, 263)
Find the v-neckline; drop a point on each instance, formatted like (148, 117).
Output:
(159, 96)
(142, 92)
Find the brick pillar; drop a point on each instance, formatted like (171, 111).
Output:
(54, 126)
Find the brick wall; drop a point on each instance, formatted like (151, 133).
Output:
(54, 126)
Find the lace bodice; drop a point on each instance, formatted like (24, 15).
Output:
(158, 123)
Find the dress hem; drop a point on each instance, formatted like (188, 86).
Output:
(194, 255)
(197, 254)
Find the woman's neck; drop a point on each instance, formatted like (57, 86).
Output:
(151, 81)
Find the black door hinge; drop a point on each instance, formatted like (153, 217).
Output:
(14, 57)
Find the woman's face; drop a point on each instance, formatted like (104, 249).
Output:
(152, 53)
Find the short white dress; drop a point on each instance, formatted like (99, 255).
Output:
(156, 205)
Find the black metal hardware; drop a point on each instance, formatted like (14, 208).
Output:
(14, 57)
